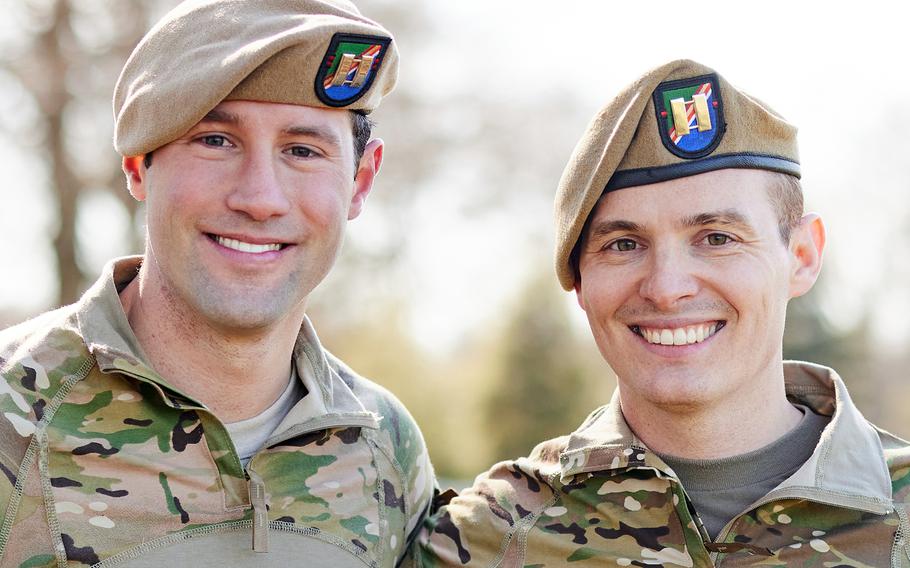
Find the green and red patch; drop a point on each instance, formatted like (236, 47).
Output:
(349, 67)
(690, 115)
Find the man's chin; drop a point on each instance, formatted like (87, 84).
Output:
(674, 389)
(244, 311)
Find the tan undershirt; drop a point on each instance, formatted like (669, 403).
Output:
(249, 435)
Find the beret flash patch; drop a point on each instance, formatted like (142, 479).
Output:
(349, 67)
(690, 115)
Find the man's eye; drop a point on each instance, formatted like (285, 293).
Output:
(623, 245)
(301, 152)
(214, 140)
(718, 239)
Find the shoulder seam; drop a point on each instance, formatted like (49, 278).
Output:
(22, 475)
(521, 529)
(531, 522)
(375, 446)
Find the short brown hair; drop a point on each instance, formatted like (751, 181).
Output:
(786, 195)
(362, 128)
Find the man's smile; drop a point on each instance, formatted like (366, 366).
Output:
(682, 335)
(245, 246)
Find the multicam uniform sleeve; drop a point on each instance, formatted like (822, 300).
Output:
(33, 382)
(17, 428)
(419, 478)
(476, 527)
(406, 493)
(407, 497)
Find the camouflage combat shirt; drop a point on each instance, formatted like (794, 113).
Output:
(103, 463)
(599, 497)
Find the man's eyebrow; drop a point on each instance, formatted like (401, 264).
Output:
(223, 116)
(602, 228)
(324, 134)
(723, 217)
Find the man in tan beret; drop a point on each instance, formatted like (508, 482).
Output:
(680, 228)
(183, 412)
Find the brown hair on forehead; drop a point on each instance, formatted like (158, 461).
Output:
(784, 191)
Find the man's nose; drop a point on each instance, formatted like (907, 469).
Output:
(258, 191)
(670, 278)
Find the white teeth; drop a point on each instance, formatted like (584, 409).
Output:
(246, 247)
(680, 335)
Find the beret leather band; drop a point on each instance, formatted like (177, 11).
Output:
(644, 176)
(679, 119)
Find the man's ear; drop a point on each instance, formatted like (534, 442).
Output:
(807, 244)
(367, 168)
(135, 176)
(578, 297)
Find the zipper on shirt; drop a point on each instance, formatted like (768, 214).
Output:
(688, 514)
(260, 512)
(257, 484)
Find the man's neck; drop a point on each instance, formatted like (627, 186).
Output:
(236, 375)
(735, 426)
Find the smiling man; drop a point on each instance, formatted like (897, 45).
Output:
(680, 229)
(183, 412)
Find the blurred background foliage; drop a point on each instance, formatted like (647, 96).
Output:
(488, 365)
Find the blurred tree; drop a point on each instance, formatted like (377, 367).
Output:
(810, 336)
(874, 376)
(540, 386)
(383, 349)
(463, 140)
(66, 58)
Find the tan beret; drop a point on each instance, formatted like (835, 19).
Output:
(677, 120)
(319, 53)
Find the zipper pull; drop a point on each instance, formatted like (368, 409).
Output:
(260, 512)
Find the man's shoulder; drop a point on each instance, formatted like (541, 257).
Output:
(372, 395)
(396, 423)
(37, 358)
(514, 490)
(475, 526)
(40, 353)
(400, 441)
(34, 329)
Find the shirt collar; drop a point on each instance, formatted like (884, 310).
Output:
(102, 321)
(111, 340)
(848, 461)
